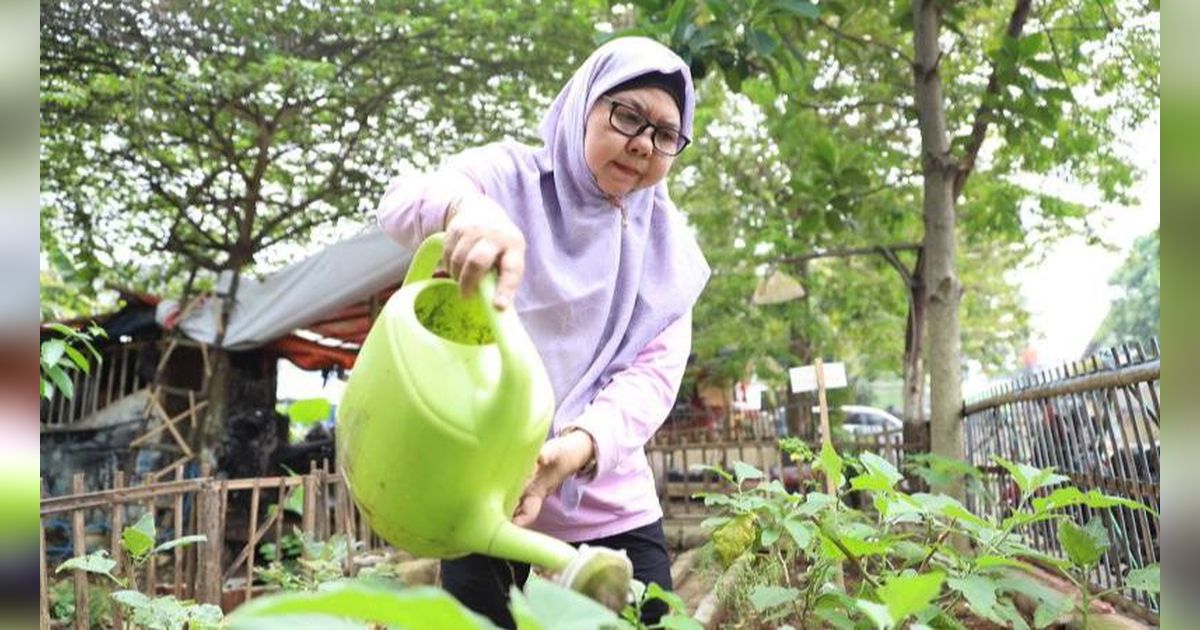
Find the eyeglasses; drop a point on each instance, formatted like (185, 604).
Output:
(630, 123)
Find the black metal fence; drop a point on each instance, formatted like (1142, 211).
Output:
(1097, 422)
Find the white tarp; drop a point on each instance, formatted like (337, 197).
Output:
(299, 295)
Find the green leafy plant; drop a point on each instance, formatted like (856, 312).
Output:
(317, 563)
(542, 605)
(62, 355)
(902, 566)
(61, 597)
(152, 613)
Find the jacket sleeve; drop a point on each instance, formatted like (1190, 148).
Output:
(414, 205)
(630, 409)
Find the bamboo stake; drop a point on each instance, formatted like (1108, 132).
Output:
(79, 542)
(118, 552)
(178, 569)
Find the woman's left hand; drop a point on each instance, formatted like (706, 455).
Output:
(559, 458)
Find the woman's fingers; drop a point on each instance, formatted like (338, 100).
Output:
(481, 238)
(528, 510)
(478, 261)
(512, 269)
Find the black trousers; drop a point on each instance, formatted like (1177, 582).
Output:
(481, 582)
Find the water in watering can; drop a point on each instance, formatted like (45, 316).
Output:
(440, 311)
(440, 426)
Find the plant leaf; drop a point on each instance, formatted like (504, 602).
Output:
(735, 538)
(61, 382)
(879, 614)
(52, 351)
(79, 360)
(96, 562)
(743, 471)
(980, 593)
(831, 464)
(802, 8)
(672, 600)
(181, 541)
(554, 607)
(1084, 545)
(1144, 579)
(1050, 610)
(138, 539)
(415, 607)
(906, 595)
(802, 532)
(880, 466)
(679, 622)
(764, 598)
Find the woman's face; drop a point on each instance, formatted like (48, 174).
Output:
(622, 164)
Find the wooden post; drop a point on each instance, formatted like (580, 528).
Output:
(826, 435)
(208, 574)
(44, 594)
(827, 440)
(79, 541)
(308, 521)
(118, 553)
(178, 569)
(341, 518)
(253, 535)
(150, 587)
(279, 516)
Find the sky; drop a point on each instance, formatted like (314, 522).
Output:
(1067, 294)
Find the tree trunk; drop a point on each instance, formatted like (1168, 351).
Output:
(914, 367)
(943, 288)
(213, 431)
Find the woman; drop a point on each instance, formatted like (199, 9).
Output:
(603, 273)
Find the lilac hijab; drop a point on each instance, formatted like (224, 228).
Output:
(595, 292)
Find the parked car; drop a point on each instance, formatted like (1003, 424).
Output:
(863, 420)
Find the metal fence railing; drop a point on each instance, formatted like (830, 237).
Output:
(1097, 422)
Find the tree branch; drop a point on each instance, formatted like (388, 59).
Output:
(983, 114)
(856, 251)
(863, 42)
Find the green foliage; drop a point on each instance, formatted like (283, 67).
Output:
(61, 595)
(1084, 545)
(907, 571)
(307, 568)
(150, 613)
(1134, 315)
(543, 605)
(212, 136)
(168, 613)
(62, 355)
(308, 411)
(336, 604)
(96, 562)
(805, 144)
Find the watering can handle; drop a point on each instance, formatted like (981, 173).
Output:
(425, 262)
(511, 338)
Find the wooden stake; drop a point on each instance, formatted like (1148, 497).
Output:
(79, 534)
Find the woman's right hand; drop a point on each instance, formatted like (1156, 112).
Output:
(479, 238)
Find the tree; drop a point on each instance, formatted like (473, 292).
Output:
(923, 98)
(188, 140)
(1135, 313)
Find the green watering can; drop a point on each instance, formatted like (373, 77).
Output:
(440, 427)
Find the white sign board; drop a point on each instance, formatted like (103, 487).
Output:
(804, 379)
